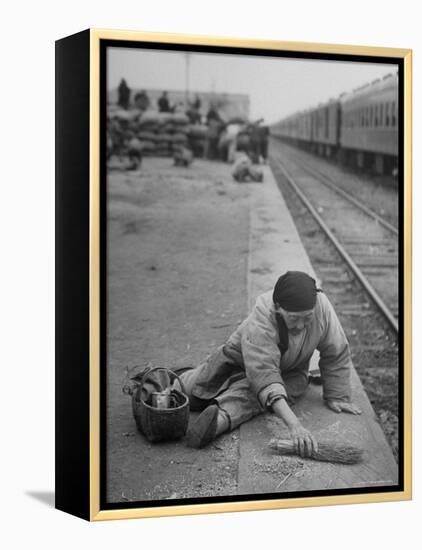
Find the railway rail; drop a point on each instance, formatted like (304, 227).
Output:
(378, 193)
(335, 185)
(366, 242)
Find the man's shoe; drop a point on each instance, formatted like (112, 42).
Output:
(204, 430)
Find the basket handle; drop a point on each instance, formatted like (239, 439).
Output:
(170, 372)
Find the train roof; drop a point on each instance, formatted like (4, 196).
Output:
(306, 111)
(389, 81)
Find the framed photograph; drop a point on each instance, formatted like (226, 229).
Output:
(233, 274)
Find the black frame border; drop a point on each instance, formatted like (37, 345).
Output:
(132, 44)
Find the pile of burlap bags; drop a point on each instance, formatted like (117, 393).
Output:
(162, 133)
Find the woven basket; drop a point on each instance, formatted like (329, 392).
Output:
(161, 424)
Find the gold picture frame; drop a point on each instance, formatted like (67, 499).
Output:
(83, 472)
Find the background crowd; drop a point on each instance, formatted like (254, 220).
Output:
(138, 126)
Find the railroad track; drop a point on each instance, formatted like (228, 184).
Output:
(326, 180)
(360, 188)
(365, 241)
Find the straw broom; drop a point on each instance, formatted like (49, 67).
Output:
(327, 451)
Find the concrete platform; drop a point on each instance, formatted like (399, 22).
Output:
(275, 247)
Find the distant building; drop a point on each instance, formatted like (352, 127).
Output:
(228, 105)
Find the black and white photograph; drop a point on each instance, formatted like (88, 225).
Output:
(210, 293)
(253, 344)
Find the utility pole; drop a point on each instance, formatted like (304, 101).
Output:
(187, 75)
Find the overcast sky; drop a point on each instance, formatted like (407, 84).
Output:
(276, 87)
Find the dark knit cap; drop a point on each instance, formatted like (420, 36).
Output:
(295, 291)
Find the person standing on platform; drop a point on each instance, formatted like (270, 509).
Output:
(123, 94)
(254, 134)
(163, 103)
(215, 124)
(197, 102)
(259, 141)
(263, 133)
(194, 111)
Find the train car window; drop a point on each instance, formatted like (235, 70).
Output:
(393, 113)
(376, 116)
(381, 121)
(371, 115)
(387, 114)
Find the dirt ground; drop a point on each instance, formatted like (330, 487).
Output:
(177, 267)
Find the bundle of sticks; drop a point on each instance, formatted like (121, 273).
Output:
(327, 451)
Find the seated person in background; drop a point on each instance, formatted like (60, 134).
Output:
(264, 364)
(142, 100)
(243, 169)
(134, 151)
(182, 156)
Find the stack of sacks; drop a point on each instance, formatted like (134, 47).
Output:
(147, 130)
(197, 134)
(180, 124)
(162, 133)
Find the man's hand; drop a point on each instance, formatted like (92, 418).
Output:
(304, 442)
(342, 406)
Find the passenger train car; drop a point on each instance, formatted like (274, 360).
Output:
(359, 128)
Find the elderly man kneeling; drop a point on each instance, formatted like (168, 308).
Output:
(264, 364)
